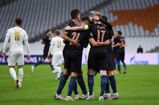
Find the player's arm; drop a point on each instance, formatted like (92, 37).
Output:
(27, 46)
(42, 42)
(6, 41)
(118, 44)
(65, 37)
(51, 47)
(94, 43)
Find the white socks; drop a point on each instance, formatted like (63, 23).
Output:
(21, 76)
(13, 73)
(58, 68)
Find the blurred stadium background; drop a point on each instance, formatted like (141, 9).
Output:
(137, 19)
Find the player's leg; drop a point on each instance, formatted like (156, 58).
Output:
(38, 63)
(72, 85)
(20, 63)
(82, 86)
(107, 94)
(118, 64)
(113, 84)
(62, 83)
(57, 61)
(50, 63)
(20, 75)
(122, 60)
(12, 59)
(104, 80)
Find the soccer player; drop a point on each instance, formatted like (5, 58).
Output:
(56, 49)
(121, 52)
(97, 55)
(16, 36)
(75, 55)
(75, 15)
(46, 41)
(111, 78)
(116, 44)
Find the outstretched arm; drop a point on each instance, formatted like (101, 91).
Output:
(94, 43)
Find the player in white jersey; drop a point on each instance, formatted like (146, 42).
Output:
(14, 39)
(56, 48)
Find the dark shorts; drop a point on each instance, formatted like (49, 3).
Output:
(120, 56)
(97, 59)
(45, 53)
(111, 62)
(72, 60)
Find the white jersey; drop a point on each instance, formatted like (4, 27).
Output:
(56, 46)
(17, 36)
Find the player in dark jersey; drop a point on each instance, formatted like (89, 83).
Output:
(116, 44)
(75, 15)
(121, 52)
(75, 55)
(110, 74)
(46, 41)
(97, 55)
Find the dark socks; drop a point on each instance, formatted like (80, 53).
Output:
(72, 85)
(90, 84)
(124, 65)
(62, 83)
(107, 90)
(52, 68)
(38, 63)
(103, 84)
(113, 83)
(118, 63)
(82, 84)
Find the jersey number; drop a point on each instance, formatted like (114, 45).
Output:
(58, 43)
(75, 36)
(99, 36)
(17, 35)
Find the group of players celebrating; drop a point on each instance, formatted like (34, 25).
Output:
(94, 30)
(98, 32)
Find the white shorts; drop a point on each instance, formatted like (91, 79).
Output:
(16, 57)
(57, 59)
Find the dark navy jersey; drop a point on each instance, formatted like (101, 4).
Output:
(82, 37)
(71, 24)
(116, 40)
(46, 40)
(99, 32)
(122, 40)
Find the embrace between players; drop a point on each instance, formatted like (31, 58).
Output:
(98, 32)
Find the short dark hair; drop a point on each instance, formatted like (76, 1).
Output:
(18, 21)
(47, 31)
(85, 18)
(119, 32)
(74, 13)
(57, 32)
(105, 18)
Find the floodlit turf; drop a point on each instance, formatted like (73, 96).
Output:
(140, 86)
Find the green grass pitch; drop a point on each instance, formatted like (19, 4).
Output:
(140, 86)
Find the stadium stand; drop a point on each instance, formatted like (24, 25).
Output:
(40, 15)
(137, 19)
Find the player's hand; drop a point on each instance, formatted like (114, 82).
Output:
(118, 44)
(3, 54)
(48, 56)
(75, 42)
(67, 28)
(96, 18)
(107, 42)
(28, 57)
